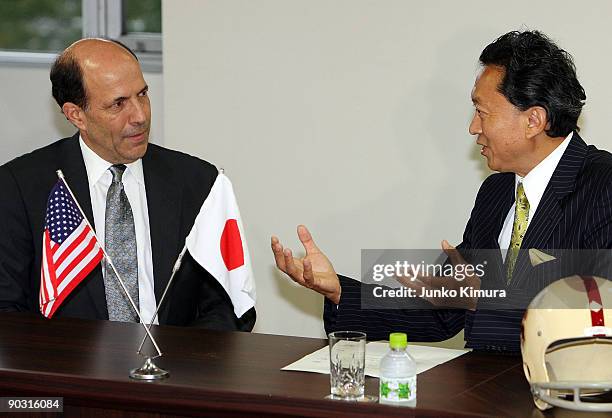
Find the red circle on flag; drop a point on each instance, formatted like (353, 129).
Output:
(231, 245)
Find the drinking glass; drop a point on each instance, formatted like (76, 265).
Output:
(347, 364)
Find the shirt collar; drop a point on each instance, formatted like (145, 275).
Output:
(535, 182)
(97, 166)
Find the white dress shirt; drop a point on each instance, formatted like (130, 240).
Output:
(534, 184)
(100, 179)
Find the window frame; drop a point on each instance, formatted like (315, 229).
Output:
(101, 18)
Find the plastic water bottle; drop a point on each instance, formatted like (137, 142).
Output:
(398, 383)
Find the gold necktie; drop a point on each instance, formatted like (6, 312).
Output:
(521, 216)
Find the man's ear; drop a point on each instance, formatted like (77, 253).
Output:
(537, 121)
(75, 115)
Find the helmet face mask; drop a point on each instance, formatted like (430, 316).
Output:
(568, 360)
(566, 343)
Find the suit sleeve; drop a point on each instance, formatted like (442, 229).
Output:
(425, 324)
(16, 247)
(599, 235)
(215, 309)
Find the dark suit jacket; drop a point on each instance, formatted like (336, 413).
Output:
(177, 184)
(575, 213)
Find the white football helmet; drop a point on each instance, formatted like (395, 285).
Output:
(566, 343)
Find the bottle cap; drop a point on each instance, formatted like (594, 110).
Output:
(398, 340)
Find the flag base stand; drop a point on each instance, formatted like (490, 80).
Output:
(149, 371)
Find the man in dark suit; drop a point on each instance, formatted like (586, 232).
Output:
(552, 192)
(101, 90)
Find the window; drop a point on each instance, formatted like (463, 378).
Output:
(142, 16)
(39, 25)
(33, 31)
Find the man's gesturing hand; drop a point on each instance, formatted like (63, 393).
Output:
(432, 283)
(314, 271)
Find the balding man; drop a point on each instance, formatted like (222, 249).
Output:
(100, 89)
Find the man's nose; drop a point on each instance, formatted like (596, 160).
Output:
(139, 114)
(475, 126)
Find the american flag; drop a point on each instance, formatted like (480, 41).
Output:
(70, 249)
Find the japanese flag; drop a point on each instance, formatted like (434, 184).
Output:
(218, 244)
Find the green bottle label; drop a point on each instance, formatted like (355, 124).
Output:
(397, 390)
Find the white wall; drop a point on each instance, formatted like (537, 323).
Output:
(351, 116)
(30, 118)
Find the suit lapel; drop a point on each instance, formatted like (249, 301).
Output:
(75, 173)
(550, 210)
(491, 221)
(506, 200)
(486, 222)
(163, 201)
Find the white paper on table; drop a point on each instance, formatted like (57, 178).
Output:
(426, 358)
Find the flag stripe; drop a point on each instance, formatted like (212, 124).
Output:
(94, 259)
(80, 247)
(47, 308)
(53, 247)
(48, 274)
(63, 251)
(79, 264)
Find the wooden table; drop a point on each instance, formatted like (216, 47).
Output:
(227, 374)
